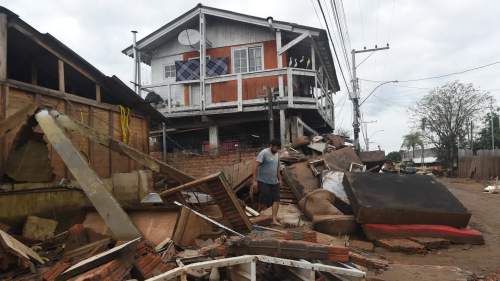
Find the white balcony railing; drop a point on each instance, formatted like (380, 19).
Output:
(318, 98)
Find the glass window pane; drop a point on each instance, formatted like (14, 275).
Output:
(240, 60)
(255, 58)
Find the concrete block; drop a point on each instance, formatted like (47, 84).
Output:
(36, 228)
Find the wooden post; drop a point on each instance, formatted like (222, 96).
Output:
(290, 87)
(97, 93)
(34, 74)
(281, 89)
(3, 47)
(240, 91)
(213, 138)
(106, 205)
(203, 54)
(60, 68)
(169, 96)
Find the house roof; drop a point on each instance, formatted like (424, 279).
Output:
(319, 36)
(119, 92)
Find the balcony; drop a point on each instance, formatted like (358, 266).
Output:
(312, 95)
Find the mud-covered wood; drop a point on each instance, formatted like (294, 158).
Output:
(106, 205)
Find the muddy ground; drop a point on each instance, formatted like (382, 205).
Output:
(485, 209)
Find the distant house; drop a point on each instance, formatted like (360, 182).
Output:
(428, 157)
(226, 103)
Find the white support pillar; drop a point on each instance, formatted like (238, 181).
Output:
(203, 54)
(290, 87)
(98, 93)
(3, 46)
(296, 127)
(313, 67)
(239, 79)
(169, 96)
(60, 75)
(281, 89)
(213, 138)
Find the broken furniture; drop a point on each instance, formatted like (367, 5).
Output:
(221, 192)
(246, 266)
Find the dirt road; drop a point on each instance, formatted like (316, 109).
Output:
(485, 209)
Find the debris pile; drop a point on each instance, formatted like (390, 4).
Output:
(159, 223)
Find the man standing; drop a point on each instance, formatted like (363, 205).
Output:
(267, 178)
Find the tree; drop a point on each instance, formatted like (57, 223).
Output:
(394, 156)
(483, 140)
(443, 115)
(343, 132)
(413, 140)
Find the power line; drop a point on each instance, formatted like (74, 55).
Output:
(334, 50)
(442, 75)
(340, 30)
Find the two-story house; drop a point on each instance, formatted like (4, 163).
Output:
(223, 99)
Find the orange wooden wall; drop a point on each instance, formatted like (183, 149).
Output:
(252, 88)
(104, 161)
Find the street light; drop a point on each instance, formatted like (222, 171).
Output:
(374, 89)
(368, 139)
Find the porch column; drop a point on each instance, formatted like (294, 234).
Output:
(281, 89)
(213, 138)
(203, 54)
(296, 128)
(60, 75)
(3, 47)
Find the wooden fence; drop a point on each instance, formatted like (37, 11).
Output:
(483, 164)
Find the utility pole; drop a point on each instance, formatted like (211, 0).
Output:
(367, 139)
(355, 93)
(270, 113)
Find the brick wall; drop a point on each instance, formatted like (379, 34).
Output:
(203, 165)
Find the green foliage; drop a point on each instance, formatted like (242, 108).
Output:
(394, 156)
(483, 140)
(412, 140)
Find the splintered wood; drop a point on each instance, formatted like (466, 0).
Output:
(221, 192)
(107, 206)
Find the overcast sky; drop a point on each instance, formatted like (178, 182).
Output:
(427, 38)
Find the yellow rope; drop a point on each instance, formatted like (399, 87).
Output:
(124, 120)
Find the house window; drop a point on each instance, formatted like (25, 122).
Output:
(170, 71)
(247, 59)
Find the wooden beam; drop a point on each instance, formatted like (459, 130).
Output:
(98, 93)
(106, 205)
(144, 159)
(60, 75)
(51, 50)
(17, 119)
(34, 74)
(3, 46)
(294, 42)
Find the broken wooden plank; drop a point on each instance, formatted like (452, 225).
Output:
(122, 148)
(99, 259)
(401, 245)
(106, 205)
(17, 119)
(17, 248)
(219, 189)
(431, 243)
(335, 224)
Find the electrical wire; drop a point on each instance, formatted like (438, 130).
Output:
(334, 50)
(341, 33)
(439, 76)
